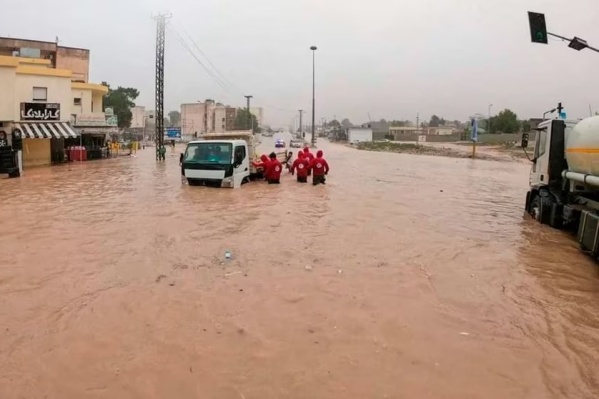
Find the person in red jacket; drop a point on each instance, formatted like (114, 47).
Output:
(274, 170)
(320, 168)
(265, 165)
(302, 165)
(309, 157)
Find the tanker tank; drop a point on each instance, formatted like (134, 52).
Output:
(582, 147)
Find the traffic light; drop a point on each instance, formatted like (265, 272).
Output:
(538, 29)
(17, 140)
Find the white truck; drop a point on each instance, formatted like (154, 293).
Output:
(564, 179)
(221, 159)
(356, 135)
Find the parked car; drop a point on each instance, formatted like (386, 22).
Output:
(296, 143)
(280, 143)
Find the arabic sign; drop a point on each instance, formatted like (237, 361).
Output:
(94, 119)
(112, 121)
(173, 132)
(40, 111)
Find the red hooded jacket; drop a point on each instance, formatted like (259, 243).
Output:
(309, 156)
(265, 164)
(301, 164)
(319, 165)
(274, 170)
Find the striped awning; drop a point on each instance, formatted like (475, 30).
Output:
(46, 130)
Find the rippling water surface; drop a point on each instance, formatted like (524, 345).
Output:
(405, 276)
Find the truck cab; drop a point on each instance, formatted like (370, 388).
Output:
(216, 163)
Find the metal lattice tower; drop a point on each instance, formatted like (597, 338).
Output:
(159, 117)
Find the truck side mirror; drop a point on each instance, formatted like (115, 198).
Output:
(524, 142)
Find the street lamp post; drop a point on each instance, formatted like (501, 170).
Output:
(313, 48)
(489, 124)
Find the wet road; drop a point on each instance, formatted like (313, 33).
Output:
(404, 277)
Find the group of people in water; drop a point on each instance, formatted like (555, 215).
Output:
(306, 164)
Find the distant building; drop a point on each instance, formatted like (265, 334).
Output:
(138, 117)
(440, 131)
(258, 112)
(206, 117)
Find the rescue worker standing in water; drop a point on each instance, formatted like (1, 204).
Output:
(309, 157)
(302, 165)
(265, 165)
(320, 168)
(275, 169)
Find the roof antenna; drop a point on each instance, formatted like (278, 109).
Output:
(56, 39)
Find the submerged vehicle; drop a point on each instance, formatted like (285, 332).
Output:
(564, 178)
(280, 143)
(221, 160)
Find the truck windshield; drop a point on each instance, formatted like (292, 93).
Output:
(214, 153)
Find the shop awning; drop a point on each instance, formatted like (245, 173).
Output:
(46, 130)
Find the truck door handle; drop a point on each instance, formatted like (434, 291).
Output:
(245, 170)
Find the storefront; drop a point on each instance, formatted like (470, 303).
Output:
(44, 143)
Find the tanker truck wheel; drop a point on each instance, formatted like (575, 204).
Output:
(540, 209)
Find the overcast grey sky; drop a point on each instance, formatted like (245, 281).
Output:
(392, 58)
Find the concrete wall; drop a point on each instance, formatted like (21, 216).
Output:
(75, 60)
(59, 91)
(7, 93)
(192, 119)
(405, 137)
(503, 138)
(220, 119)
(86, 101)
(138, 119)
(443, 138)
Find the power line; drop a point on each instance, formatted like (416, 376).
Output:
(221, 75)
(186, 46)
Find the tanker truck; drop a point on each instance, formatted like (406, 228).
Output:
(564, 178)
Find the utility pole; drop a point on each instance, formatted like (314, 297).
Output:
(417, 121)
(250, 119)
(301, 127)
(313, 48)
(159, 118)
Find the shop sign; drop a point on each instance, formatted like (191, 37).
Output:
(94, 119)
(40, 111)
(172, 133)
(109, 111)
(111, 120)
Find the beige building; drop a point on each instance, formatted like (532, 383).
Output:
(258, 112)
(138, 117)
(206, 117)
(43, 102)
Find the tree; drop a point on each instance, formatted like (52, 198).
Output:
(346, 123)
(121, 101)
(242, 121)
(436, 121)
(526, 126)
(174, 118)
(505, 122)
(334, 123)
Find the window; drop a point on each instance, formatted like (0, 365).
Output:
(211, 153)
(40, 94)
(239, 154)
(541, 142)
(223, 119)
(77, 101)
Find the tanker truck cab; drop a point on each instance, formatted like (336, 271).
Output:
(216, 163)
(564, 179)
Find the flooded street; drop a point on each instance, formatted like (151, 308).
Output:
(404, 277)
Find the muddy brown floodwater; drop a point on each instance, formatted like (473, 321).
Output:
(404, 277)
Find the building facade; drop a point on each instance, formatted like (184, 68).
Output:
(207, 117)
(258, 112)
(43, 104)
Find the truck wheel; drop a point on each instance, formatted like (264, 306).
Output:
(192, 182)
(540, 209)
